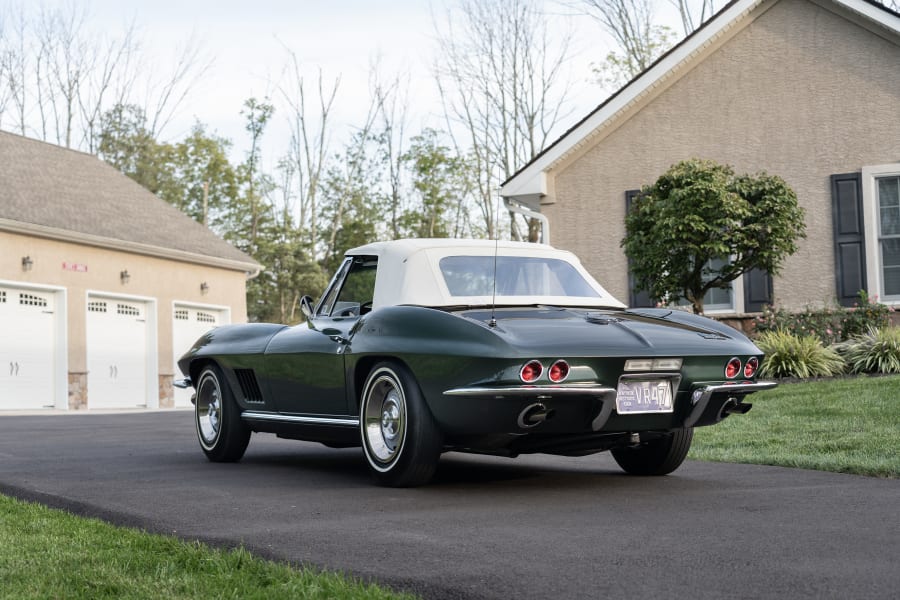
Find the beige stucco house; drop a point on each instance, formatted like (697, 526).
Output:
(805, 89)
(102, 284)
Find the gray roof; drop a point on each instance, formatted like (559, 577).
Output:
(53, 191)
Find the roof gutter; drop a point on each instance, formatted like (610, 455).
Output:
(251, 267)
(513, 206)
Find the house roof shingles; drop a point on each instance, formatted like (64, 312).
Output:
(62, 190)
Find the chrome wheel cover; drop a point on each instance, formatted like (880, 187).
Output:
(384, 420)
(209, 410)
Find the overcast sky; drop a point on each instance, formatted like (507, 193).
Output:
(249, 41)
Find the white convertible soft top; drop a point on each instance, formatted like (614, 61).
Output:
(409, 272)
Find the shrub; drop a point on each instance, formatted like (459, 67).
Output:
(875, 351)
(790, 355)
(831, 324)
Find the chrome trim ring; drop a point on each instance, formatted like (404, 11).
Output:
(208, 410)
(384, 419)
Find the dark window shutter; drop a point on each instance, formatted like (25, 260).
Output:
(636, 299)
(757, 290)
(849, 237)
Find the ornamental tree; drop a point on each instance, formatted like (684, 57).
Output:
(698, 211)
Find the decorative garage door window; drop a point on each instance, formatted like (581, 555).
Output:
(32, 300)
(128, 310)
(2, 297)
(97, 306)
(189, 322)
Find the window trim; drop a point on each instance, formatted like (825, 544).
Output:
(737, 301)
(872, 227)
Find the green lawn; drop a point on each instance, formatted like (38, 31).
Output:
(842, 425)
(46, 553)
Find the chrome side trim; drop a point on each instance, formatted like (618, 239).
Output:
(262, 416)
(531, 390)
(700, 396)
(182, 383)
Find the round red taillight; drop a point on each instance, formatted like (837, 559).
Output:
(733, 368)
(750, 367)
(559, 371)
(531, 371)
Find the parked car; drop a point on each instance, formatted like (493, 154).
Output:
(419, 347)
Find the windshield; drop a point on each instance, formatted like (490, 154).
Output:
(516, 276)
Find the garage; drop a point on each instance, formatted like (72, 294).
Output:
(91, 267)
(189, 322)
(28, 348)
(118, 352)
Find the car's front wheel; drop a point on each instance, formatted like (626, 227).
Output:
(220, 430)
(660, 456)
(400, 439)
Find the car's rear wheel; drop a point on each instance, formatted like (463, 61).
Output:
(660, 456)
(400, 439)
(220, 430)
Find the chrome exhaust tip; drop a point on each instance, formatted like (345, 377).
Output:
(734, 407)
(534, 414)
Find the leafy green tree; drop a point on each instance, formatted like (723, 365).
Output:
(249, 220)
(353, 200)
(638, 40)
(205, 182)
(439, 179)
(126, 143)
(698, 211)
(195, 174)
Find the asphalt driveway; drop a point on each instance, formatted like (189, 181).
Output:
(533, 527)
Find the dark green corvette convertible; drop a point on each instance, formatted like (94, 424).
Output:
(420, 347)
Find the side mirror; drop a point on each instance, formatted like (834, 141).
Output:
(306, 306)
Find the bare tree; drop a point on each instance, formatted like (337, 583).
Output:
(309, 141)
(15, 67)
(350, 175)
(166, 94)
(59, 76)
(637, 39)
(693, 13)
(68, 57)
(112, 77)
(392, 103)
(501, 80)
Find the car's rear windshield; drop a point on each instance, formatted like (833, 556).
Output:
(516, 276)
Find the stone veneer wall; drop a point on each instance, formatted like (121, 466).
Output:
(77, 391)
(166, 391)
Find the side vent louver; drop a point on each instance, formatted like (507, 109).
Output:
(247, 380)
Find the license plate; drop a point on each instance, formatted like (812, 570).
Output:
(637, 396)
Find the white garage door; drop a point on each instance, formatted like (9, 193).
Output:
(27, 349)
(188, 324)
(116, 353)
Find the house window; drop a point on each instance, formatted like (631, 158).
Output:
(716, 300)
(887, 195)
(881, 209)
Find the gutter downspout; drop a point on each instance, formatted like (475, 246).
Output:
(513, 206)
